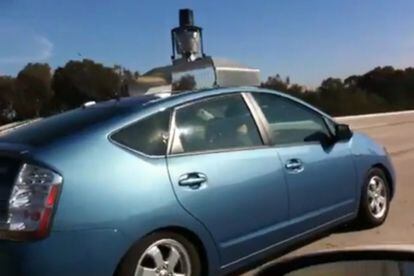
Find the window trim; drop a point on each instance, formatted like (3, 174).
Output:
(327, 120)
(125, 147)
(258, 117)
(173, 128)
(262, 117)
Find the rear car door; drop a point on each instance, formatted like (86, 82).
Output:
(319, 172)
(226, 177)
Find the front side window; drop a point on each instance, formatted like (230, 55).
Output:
(291, 122)
(221, 123)
(149, 135)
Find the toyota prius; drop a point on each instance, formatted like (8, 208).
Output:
(193, 183)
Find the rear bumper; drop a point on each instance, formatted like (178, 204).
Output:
(89, 252)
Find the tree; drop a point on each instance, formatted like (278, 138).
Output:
(33, 89)
(331, 85)
(395, 86)
(7, 99)
(36, 92)
(81, 81)
(351, 82)
(275, 83)
(296, 88)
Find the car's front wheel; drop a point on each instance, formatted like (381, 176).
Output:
(161, 254)
(375, 199)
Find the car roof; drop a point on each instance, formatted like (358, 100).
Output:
(175, 98)
(49, 129)
(188, 96)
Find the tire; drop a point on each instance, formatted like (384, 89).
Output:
(152, 253)
(375, 202)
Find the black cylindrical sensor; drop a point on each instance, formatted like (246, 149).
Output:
(186, 17)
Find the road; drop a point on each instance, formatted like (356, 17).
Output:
(396, 133)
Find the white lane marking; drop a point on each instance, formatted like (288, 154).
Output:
(373, 115)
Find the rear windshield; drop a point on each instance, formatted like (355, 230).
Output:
(47, 130)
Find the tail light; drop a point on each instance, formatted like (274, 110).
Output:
(32, 202)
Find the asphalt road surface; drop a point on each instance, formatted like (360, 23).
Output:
(396, 132)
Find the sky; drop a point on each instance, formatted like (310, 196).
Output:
(305, 40)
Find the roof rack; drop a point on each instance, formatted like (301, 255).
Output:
(191, 68)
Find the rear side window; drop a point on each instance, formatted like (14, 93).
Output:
(149, 135)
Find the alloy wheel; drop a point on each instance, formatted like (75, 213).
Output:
(377, 197)
(166, 257)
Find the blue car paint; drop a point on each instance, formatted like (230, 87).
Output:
(325, 188)
(225, 204)
(117, 202)
(367, 154)
(107, 205)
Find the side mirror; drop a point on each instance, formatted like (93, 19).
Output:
(342, 132)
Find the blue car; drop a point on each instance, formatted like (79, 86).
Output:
(194, 183)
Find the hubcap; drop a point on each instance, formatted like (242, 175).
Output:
(377, 197)
(165, 257)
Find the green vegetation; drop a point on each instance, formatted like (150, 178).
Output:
(380, 90)
(37, 91)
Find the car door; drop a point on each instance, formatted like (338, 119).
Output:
(319, 172)
(226, 177)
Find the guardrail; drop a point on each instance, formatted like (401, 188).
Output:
(372, 115)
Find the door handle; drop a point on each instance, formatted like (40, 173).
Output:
(192, 180)
(294, 165)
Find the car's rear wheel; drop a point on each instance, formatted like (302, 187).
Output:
(161, 254)
(375, 199)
